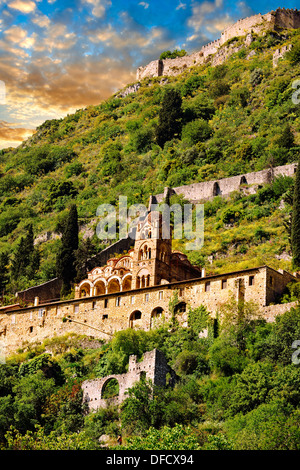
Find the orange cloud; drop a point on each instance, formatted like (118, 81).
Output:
(25, 6)
(11, 136)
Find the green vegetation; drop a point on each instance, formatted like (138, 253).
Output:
(237, 388)
(204, 124)
(173, 55)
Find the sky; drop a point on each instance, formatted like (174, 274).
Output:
(60, 56)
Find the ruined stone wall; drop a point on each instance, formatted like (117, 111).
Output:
(249, 182)
(153, 366)
(272, 311)
(244, 26)
(101, 316)
(257, 24)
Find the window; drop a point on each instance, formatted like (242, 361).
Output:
(105, 303)
(181, 292)
(160, 295)
(207, 286)
(132, 299)
(41, 313)
(105, 316)
(13, 319)
(224, 283)
(146, 297)
(118, 301)
(30, 329)
(76, 308)
(251, 280)
(93, 304)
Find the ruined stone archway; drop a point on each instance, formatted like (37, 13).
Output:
(110, 389)
(134, 318)
(216, 189)
(180, 308)
(156, 316)
(243, 180)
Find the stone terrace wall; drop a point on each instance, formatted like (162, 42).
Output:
(249, 182)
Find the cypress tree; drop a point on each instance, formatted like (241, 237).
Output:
(26, 261)
(295, 231)
(170, 117)
(66, 257)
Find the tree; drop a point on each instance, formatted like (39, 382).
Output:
(137, 410)
(172, 55)
(295, 231)
(85, 251)
(170, 117)
(4, 260)
(26, 261)
(196, 131)
(66, 258)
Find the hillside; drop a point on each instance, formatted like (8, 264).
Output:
(236, 117)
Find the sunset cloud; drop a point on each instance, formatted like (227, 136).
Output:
(25, 6)
(59, 56)
(12, 136)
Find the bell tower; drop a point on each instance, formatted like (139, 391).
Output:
(152, 252)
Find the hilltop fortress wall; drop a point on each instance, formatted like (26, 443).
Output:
(280, 19)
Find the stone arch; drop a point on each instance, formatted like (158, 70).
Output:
(100, 286)
(110, 389)
(216, 189)
(114, 285)
(134, 317)
(180, 307)
(243, 180)
(127, 282)
(156, 315)
(85, 288)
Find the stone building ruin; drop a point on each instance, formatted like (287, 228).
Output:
(153, 366)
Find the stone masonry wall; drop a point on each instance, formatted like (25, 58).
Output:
(280, 19)
(101, 316)
(249, 182)
(153, 366)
